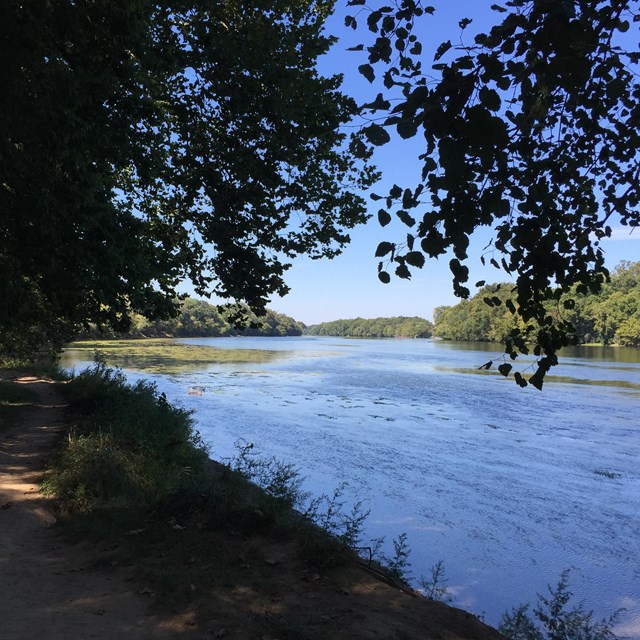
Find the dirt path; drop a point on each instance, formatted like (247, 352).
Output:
(49, 588)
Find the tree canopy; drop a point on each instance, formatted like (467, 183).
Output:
(531, 130)
(199, 318)
(142, 144)
(394, 327)
(611, 316)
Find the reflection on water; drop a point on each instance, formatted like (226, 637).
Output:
(590, 352)
(163, 356)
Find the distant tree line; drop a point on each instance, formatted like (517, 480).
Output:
(198, 318)
(396, 327)
(609, 317)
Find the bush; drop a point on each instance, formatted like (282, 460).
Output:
(131, 449)
(554, 620)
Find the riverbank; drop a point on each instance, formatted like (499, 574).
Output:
(182, 568)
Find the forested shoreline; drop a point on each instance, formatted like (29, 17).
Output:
(201, 319)
(609, 317)
(395, 327)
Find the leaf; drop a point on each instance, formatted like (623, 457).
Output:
(490, 99)
(407, 128)
(537, 380)
(403, 272)
(504, 369)
(480, 283)
(442, 49)
(384, 218)
(379, 104)
(384, 277)
(367, 71)
(415, 259)
(406, 218)
(376, 135)
(520, 381)
(384, 248)
(358, 47)
(395, 191)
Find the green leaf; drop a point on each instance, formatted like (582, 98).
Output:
(407, 128)
(367, 71)
(384, 218)
(384, 248)
(376, 135)
(406, 218)
(520, 381)
(395, 191)
(490, 99)
(537, 380)
(415, 259)
(442, 49)
(504, 369)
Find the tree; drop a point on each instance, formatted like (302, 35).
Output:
(142, 144)
(531, 130)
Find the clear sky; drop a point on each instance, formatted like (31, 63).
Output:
(347, 286)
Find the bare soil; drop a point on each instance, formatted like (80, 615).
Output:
(258, 587)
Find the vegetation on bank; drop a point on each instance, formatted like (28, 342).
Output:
(199, 318)
(395, 327)
(609, 317)
(132, 461)
(555, 617)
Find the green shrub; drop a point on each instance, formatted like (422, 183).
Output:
(554, 619)
(131, 450)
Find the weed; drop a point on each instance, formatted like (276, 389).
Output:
(130, 450)
(554, 620)
(612, 475)
(436, 588)
(398, 564)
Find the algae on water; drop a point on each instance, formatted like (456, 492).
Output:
(161, 355)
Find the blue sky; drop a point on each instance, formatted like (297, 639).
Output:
(347, 286)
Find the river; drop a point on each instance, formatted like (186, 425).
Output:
(508, 487)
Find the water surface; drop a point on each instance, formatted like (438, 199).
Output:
(507, 487)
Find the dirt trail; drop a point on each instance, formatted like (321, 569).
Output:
(49, 588)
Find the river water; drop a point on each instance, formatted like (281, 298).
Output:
(508, 487)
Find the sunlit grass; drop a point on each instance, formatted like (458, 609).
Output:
(163, 355)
